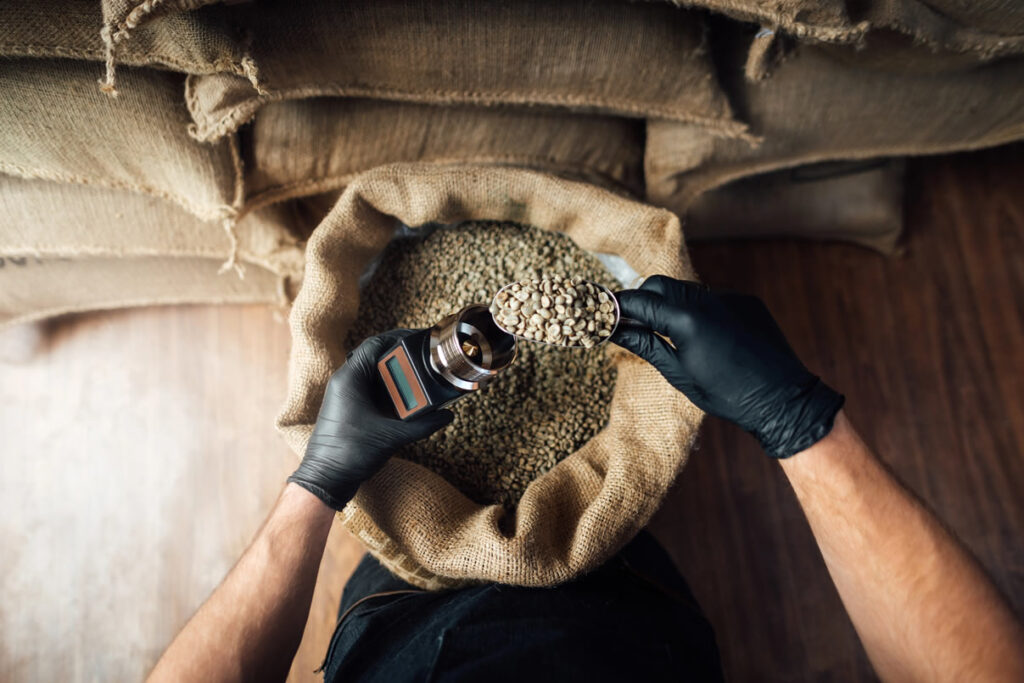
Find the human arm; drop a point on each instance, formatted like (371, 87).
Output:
(250, 627)
(921, 605)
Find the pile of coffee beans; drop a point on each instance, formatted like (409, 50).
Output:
(546, 405)
(563, 311)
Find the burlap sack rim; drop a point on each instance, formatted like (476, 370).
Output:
(208, 128)
(395, 478)
(155, 59)
(411, 567)
(605, 178)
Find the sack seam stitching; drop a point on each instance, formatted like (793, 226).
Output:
(210, 127)
(43, 50)
(133, 303)
(221, 211)
(63, 250)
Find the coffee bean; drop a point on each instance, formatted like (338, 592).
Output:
(551, 400)
(595, 310)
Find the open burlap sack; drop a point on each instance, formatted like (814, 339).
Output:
(857, 201)
(828, 103)
(576, 516)
(69, 248)
(55, 125)
(629, 59)
(309, 146)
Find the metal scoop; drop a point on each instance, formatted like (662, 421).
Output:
(601, 288)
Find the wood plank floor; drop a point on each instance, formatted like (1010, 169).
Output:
(138, 459)
(138, 453)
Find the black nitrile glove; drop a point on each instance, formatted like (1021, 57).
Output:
(730, 359)
(357, 431)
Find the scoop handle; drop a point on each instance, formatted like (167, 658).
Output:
(630, 322)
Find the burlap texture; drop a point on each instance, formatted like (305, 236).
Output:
(202, 41)
(55, 125)
(72, 248)
(289, 158)
(577, 515)
(54, 219)
(123, 22)
(828, 103)
(32, 287)
(859, 202)
(608, 56)
(129, 15)
(987, 28)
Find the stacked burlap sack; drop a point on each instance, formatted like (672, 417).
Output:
(187, 151)
(335, 90)
(224, 110)
(108, 202)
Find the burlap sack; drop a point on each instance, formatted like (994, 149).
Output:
(859, 202)
(32, 287)
(822, 20)
(170, 26)
(630, 59)
(53, 219)
(577, 515)
(833, 103)
(988, 28)
(55, 125)
(202, 41)
(288, 156)
(73, 248)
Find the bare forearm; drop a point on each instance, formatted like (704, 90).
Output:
(250, 628)
(922, 606)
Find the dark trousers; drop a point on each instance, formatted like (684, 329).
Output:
(634, 617)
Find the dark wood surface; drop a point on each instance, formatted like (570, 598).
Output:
(929, 349)
(138, 452)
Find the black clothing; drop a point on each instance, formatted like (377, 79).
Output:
(634, 619)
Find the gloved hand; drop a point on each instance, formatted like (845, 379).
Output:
(357, 431)
(730, 359)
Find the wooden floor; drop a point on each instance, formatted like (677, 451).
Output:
(138, 458)
(929, 350)
(138, 453)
